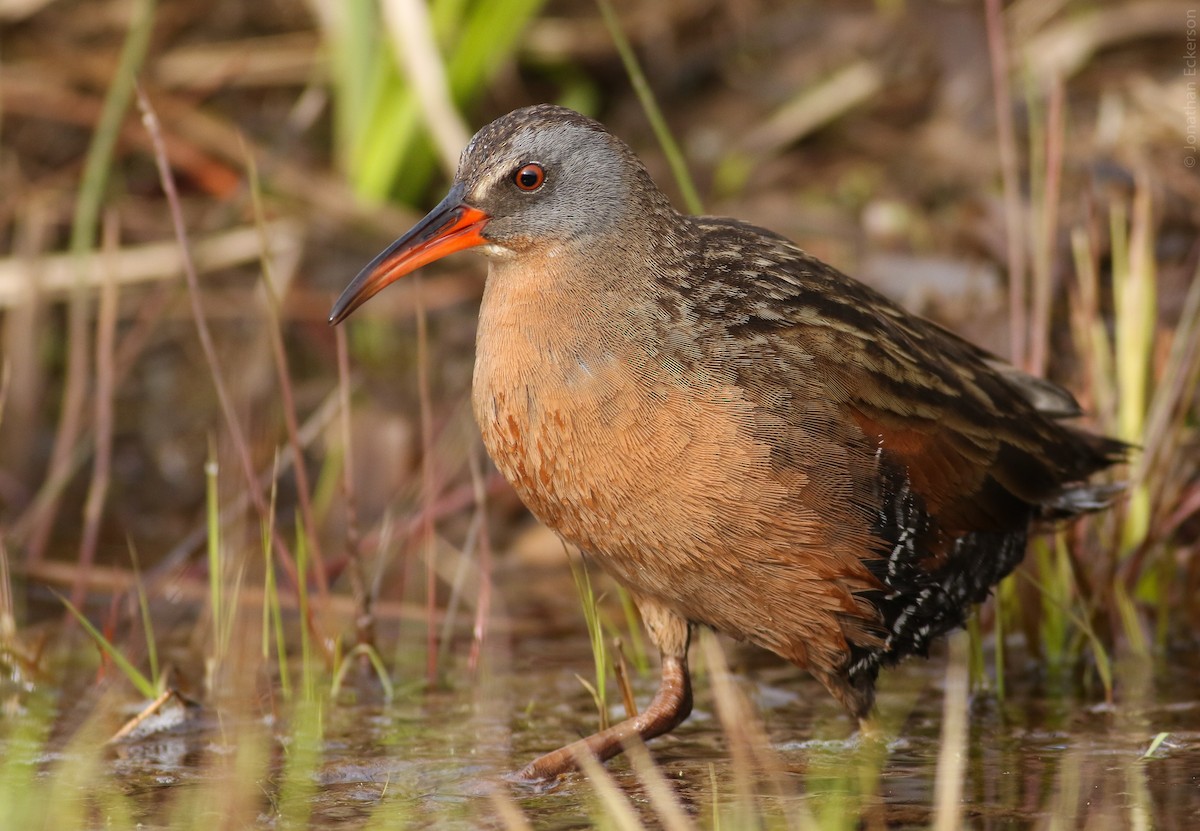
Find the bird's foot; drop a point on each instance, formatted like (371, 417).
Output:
(671, 705)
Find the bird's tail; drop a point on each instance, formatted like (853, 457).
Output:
(1081, 495)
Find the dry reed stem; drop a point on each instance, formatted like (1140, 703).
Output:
(507, 810)
(283, 373)
(952, 753)
(1189, 506)
(83, 230)
(206, 145)
(241, 448)
(466, 555)
(664, 800)
(1164, 464)
(364, 618)
(739, 723)
(61, 104)
(1174, 394)
(147, 263)
(5, 381)
(23, 381)
(67, 452)
(616, 806)
(279, 60)
(428, 493)
(299, 468)
(1045, 236)
(8, 620)
(1065, 48)
(1083, 314)
(819, 104)
(120, 581)
(752, 757)
(621, 671)
(66, 435)
(313, 427)
(145, 713)
(483, 602)
(102, 399)
(998, 52)
(447, 505)
(22, 661)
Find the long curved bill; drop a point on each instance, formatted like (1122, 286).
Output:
(451, 226)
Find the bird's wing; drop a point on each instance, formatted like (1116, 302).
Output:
(977, 439)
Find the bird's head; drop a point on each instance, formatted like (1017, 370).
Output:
(540, 179)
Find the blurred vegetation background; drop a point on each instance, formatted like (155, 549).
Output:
(1022, 172)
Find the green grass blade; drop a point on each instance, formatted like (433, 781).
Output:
(1135, 306)
(308, 669)
(1155, 744)
(144, 611)
(213, 517)
(591, 614)
(116, 103)
(641, 657)
(687, 188)
(377, 664)
(143, 684)
(390, 153)
(272, 603)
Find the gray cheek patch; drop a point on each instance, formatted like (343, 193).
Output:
(589, 189)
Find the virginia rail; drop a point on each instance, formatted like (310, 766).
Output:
(741, 435)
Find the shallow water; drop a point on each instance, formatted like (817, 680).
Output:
(434, 760)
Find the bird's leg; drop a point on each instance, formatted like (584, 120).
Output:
(671, 705)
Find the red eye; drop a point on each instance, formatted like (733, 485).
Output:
(530, 177)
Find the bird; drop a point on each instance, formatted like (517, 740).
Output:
(741, 435)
